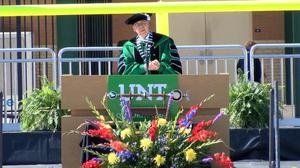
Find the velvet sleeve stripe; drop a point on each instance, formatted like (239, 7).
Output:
(121, 60)
(176, 66)
(173, 51)
(121, 69)
(173, 48)
(121, 65)
(175, 59)
(175, 63)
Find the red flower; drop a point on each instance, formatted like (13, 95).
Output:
(201, 125)
(117, 146)
(202, 136)
(91, 164)
(223, 160)
(152, 130)
(102, 131)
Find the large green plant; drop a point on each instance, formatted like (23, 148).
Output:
(248, 104)
(42, 109)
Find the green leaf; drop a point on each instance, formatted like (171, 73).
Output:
(248, 103)
(41, 109)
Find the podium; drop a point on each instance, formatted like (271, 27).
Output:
(75, 89)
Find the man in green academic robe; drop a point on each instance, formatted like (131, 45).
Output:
(148, 52)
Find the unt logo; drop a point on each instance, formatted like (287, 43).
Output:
(138, 89)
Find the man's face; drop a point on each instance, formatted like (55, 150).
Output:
(141, 28)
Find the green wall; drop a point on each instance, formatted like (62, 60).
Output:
(292, 35)
(67, 36)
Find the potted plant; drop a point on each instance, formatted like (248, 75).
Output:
(248, 104)
(41, 110)
(248, 112)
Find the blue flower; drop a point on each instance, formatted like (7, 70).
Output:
(126, 155)
(100, 160)
(169, 102)
(126, 108)
(101, 148)
(217, 117)
(186, 122)
(191, 114)
(207, 159)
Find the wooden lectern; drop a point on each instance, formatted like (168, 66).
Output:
(76, 88)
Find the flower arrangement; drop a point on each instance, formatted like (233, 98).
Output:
(158, 143)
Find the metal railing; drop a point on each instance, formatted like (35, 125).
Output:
(273, 56)
(215, 58)
(17, 79)
(190, 63)
(1, 132)
(186, 60)
(274, 133)
(80, 60)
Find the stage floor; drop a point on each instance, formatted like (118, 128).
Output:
(34, 166)
(239, 164)
(264, 164)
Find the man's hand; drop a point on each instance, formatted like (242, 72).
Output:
(154, 65)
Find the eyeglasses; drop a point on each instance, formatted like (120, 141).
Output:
(140, 24)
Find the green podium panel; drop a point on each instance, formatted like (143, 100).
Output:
(146, 95)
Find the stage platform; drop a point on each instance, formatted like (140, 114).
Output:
(250, 148)
(45, 147)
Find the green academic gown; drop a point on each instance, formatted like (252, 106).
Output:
(163, 49)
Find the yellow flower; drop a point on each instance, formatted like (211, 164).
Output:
(190, 155)
(102, 118)
(113, 158)
(161, 122)
(159, 160)
(146, 143)
(184, 131)
(126, 133)
(107, 126)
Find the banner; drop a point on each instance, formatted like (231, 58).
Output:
(147, 95)
(149, 7)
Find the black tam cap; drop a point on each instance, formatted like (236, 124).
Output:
(137, 17)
